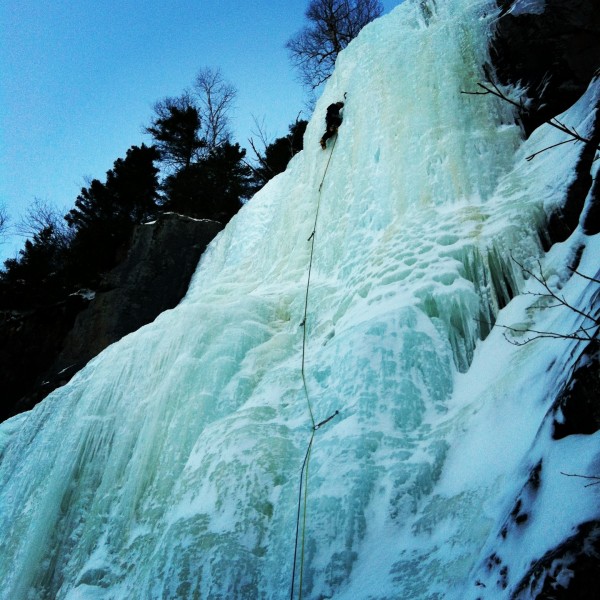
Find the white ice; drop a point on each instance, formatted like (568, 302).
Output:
(169, 466)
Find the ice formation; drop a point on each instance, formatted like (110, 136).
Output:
(169, 467)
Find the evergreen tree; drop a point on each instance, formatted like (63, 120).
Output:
(105, 213)
(278, 154)
(36, 277)
(176, 131)
(229, 180)
(212, 188)
(206, 176)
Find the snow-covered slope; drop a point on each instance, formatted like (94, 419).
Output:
(170, 466)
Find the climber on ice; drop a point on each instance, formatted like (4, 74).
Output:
(333, 120)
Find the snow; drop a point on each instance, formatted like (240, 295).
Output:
(527, 7)
(85, 294)
(169, 466)
(185, 217)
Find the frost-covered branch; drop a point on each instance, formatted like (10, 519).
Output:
(551, 294)
(584, 333)
(576, 335)
(532, 156)
(489, 87)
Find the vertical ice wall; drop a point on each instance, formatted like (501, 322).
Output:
(169, 467)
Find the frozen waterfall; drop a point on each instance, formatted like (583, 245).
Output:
(169, 467)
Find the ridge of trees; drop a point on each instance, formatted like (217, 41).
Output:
(57, 260)
(193, 167)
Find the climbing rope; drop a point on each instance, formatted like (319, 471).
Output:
(303, 486)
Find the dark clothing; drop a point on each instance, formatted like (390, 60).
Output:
(333, 116)
(333, 120)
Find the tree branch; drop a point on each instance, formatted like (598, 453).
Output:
(491, 88)
(583, 333)
(595, 477)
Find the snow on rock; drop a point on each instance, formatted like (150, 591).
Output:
(528, 7)
(169, 467)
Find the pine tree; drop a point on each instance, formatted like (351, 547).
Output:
(105, 213)
(212, 188)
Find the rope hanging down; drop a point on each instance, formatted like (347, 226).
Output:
(303, 487)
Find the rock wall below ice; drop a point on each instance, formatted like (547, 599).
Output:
(42, 349)
(550, 49)
(545, 538)
(169, 467)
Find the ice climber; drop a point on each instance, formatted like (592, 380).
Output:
(333, 120)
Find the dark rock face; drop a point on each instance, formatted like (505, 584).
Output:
(553, 52)
(567, 572)
(153, 277)
(43, 349)
(29, 343)
(578, 404)
(554, 55)
(590, 220)
(564, 221)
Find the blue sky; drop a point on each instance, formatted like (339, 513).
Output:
(79, 78)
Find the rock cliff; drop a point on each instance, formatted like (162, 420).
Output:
(42, 349)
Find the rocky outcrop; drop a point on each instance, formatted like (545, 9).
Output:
(563, 221)
(577, 410)
(567, 572)
(153, 277)
(43, 349)
(30, 341)
(551, 48)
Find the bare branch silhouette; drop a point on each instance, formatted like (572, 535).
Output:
(595, 477)
(584, 333)
(332, 25)
(490, 87)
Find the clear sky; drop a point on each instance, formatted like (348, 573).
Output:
(79, 78)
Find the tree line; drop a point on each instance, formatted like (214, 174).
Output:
(193, 167)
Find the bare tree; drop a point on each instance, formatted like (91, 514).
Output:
(215, 98)
(43, 216)
(39, 215)
(3, 221)
(274, 156)
(333, 24)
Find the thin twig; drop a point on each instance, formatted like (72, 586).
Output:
(491, 88)
(550, 293)
(583, 333)
(596, 477)
(532, 156)
(585, 276)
